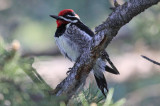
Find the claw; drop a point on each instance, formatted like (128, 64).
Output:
(68, 71)
(115, 5)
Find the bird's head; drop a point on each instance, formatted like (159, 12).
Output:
(66, 16)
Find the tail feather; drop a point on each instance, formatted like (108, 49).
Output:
(113, 71)
(102, 83)
(99, 76)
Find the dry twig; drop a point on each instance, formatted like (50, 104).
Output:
(153, 61)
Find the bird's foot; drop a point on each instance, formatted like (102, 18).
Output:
(69, 71)
(115, 5)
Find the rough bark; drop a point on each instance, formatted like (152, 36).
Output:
(121, 15)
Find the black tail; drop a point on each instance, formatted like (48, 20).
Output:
(101, 82)
(112, 70)
(109, 69)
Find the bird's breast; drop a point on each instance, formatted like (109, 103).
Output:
(67, 47)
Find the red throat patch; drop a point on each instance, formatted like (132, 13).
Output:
(60, 22)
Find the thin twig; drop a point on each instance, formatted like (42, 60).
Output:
(153, 61)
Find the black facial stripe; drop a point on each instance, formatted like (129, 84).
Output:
(60, 30)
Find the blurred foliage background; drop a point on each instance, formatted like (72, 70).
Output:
(29, 23)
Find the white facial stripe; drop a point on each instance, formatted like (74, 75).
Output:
(70, 16)
(74, 21)
(74, 16)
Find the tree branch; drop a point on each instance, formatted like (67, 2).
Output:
(49, 52)
(104, 34)
(153, 61)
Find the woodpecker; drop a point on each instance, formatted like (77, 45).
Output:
(73, 37)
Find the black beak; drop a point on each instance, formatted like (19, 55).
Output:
(56, 17)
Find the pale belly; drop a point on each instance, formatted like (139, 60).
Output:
(67, 48)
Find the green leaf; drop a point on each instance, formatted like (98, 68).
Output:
(83, 99)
